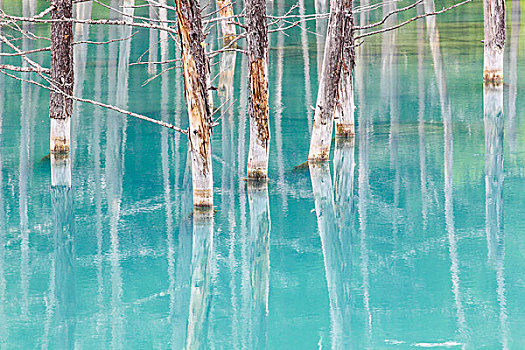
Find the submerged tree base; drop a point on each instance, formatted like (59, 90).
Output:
(60, 135)
(344, 130)
(493, 76)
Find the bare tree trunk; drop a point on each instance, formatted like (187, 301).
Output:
(494, 43)
(258, 108)
(228, 29)
(196, 71)
(344, 109)
(326, 97)
(61, 107)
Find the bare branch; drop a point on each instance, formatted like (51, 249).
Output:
(411, 20)
(388, 15)
(24, 69)
(100, 104)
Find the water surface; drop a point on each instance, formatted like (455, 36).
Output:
(409, 237)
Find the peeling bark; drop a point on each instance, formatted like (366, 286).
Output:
(326, 97)
(196, 72)
(61, 107)
(228, 29)
(494, 42)
(258, 108)
(344, 108)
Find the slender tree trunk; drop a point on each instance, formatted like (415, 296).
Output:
(196, 72)
(258, 108)
(228, 29)
(326, 97)
(344, 109)
(494, 43)
(61, 107)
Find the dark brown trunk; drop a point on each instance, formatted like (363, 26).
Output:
(196, 72)
(60, 106)
(258, 101)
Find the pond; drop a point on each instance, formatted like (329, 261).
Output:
(409, 237)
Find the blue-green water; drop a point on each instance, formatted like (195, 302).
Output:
(420, 244)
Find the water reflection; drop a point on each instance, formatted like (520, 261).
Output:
(259, 260)
(406, 244)
(200, 280)
(515, 19)
(81, 33)
(27, 114)
(321, 27)
(494, 130)
(64, 255)
(3, 218)
(336, 238)
(446, 113)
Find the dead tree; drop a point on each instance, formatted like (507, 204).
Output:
(344, 108)
(494, 42)
(60, 105)
(228, 29)
(196, 72)
(258, 108)
(326, 97)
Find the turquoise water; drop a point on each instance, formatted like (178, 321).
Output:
(411, 237)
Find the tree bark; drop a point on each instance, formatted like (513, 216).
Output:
(494, 43)
(326, 97)
(196, 71)
(61, 107)
(344, 109)
(228, 29)
(258, 108)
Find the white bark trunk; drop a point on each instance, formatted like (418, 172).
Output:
(344, 109)
(228, 29)
(323, 118)
(494, 41)
(60, 140)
